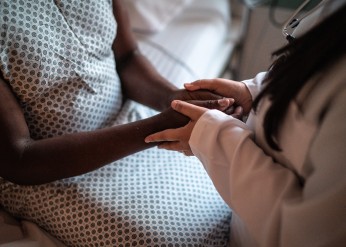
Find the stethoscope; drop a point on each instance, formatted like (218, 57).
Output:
(294, 21)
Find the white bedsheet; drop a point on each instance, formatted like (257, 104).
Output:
(195, 45)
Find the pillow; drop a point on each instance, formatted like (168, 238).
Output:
(153, 15)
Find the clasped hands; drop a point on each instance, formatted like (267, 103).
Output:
(236, 101)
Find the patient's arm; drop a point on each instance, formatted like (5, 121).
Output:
(138, 75)
(27, 161)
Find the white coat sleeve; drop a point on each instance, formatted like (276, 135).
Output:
(254, 85)
(269, 198)
(246, 178)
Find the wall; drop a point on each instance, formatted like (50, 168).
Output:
(263, 37)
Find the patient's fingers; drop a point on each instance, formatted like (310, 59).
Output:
(221, 104)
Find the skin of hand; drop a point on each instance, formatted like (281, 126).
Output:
(198, 95)
(226, 88)
(178, 139)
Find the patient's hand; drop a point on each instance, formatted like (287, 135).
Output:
(207, 99)
(185, 95)
(178, 139)
(226, 88)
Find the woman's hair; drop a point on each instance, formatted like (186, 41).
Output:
(297, 62)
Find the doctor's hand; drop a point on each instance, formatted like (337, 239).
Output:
(178, 139)
(226, 88)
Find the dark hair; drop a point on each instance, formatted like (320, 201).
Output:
(297, 62)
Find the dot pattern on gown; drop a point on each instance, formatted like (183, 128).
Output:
(109, 207)
(57, 59)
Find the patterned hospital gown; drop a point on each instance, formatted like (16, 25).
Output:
(56, 56)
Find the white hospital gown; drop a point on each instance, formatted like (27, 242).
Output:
(57, 58)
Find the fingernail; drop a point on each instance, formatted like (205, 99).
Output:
(239, 110)
(190, 86)
(174, 104)
(223, 102)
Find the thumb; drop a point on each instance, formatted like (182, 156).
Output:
(192, 111)
(191, 87)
